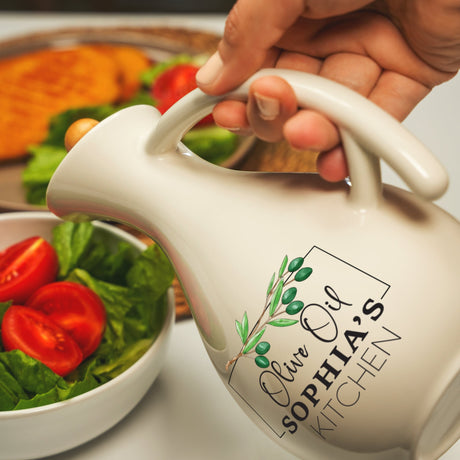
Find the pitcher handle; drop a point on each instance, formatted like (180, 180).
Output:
(368, 133)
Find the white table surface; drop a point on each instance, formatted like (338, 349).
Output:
(187, 413)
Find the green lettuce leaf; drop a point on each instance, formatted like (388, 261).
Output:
(149, 76)
(212, 143)
(151, 274)
(11, 390)
(32, 375)
(71, 241)
(47, 156)
(127, 358)
(60, 122)
(40, 167)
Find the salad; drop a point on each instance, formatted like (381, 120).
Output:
(75, 313)
(161, 86)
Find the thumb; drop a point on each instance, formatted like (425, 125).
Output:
(252, 29)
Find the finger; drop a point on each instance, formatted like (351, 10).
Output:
(317, 9)
(252, 29)
(231, 115)
(298, 61)
(357, 72)
(309, 130)
(332, 165)
(271, 103)
(397, 94)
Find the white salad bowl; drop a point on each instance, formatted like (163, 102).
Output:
(54, 428)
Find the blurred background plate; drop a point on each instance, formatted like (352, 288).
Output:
(12, 194)
(157, 43)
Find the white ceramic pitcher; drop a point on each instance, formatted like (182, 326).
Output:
(330, 312)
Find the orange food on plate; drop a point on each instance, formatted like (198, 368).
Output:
(131, 62)
(37, 85)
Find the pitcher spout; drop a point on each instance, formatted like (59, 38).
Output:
(97, 179)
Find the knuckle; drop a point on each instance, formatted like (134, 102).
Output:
(234, 25)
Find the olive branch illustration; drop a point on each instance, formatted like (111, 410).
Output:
(280, 300)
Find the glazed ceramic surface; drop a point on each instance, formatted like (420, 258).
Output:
(47, 430)
(330, 312)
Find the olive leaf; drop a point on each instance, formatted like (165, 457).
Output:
(283, 322)
(276, 297)
(283, 266)
(270, 284)
(242, 328)
(253, 341)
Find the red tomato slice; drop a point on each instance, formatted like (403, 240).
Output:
(173, 84)
(35, 334)
(75, 308)
(24, 267)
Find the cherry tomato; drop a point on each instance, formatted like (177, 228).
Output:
(173, 84)
(75, 308)
(24, 267)
(35, 334)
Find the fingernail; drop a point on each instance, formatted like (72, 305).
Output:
(268, 108)
(210, 71)
(231, 129)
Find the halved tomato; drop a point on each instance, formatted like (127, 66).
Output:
(35, 334)
(173, 84)
(75, 308)
(24, 267)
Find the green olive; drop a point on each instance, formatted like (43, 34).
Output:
(262, 362)
(289, 295)
(295, 264)
(262, 348)
(303, 274)
(294, 307)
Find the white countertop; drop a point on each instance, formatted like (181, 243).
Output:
(187, 413)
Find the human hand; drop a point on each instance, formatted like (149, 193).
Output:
(391, 51)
